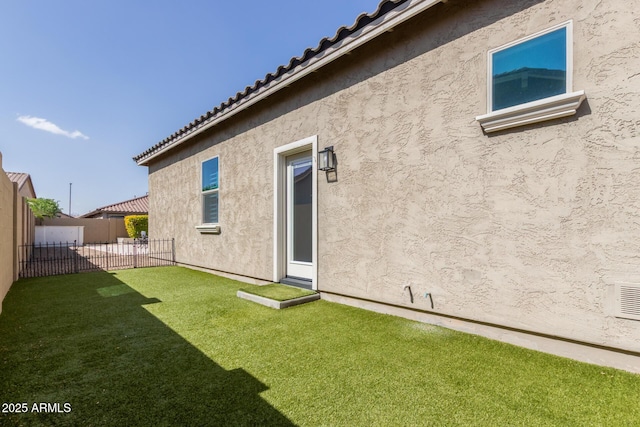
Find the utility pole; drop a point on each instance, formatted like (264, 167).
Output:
(70, 198)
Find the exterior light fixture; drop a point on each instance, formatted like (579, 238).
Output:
(327, 159)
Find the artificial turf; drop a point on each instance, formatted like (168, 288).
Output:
(171, 346)
(277, 292)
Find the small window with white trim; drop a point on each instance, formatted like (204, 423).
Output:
(210, 191)
(530, 69)
(530, 80)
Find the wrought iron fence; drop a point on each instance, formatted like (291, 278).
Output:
(67, 258)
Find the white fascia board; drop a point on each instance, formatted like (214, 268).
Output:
(364, 35)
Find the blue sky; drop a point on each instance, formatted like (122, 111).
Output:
(85, 86)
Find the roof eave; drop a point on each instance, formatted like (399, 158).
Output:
(380, 26)
(90, 214)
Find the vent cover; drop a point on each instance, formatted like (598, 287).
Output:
(627, 300)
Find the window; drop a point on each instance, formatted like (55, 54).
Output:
(530, 80)
(210, 190)
(529, 70)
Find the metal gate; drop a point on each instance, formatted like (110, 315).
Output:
(67, 258)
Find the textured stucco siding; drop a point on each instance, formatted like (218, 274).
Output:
(244, 245)
(527, 228)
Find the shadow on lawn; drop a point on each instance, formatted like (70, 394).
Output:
(88, 341)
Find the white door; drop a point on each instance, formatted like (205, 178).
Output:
(299, 216)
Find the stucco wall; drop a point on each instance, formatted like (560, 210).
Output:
(528, 228)
(7, 260)
(25, 216)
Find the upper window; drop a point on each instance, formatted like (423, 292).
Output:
(530, 80)
(530, 69)
(210, 190)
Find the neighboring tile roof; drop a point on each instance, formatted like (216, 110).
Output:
(138, 205)
(21, 179)
(362, 21)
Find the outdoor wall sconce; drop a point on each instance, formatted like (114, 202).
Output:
(327, 160)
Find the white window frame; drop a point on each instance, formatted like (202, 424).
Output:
(209, 228)
(539, 110)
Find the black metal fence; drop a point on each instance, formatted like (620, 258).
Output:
(67, 258)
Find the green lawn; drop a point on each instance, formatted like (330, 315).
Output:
(170, 346)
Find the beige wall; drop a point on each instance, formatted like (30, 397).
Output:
(17, 227)
(25, 216)
(95, 230)
(8, 195)
(527, 228)
(26, 220)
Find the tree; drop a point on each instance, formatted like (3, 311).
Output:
(44, 208)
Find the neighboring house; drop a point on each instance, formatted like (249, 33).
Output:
(26, 191)
(17, 224)
(487, 172)
(136, 206)
(107, 230)
(25, 186)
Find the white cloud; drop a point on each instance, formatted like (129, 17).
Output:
(46, 125)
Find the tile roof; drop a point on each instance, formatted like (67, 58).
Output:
(20, 178)
(342, 33)
(137, 205)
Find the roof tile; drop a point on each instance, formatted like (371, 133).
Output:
(18, 177)
(362, 20)
(139, 205)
